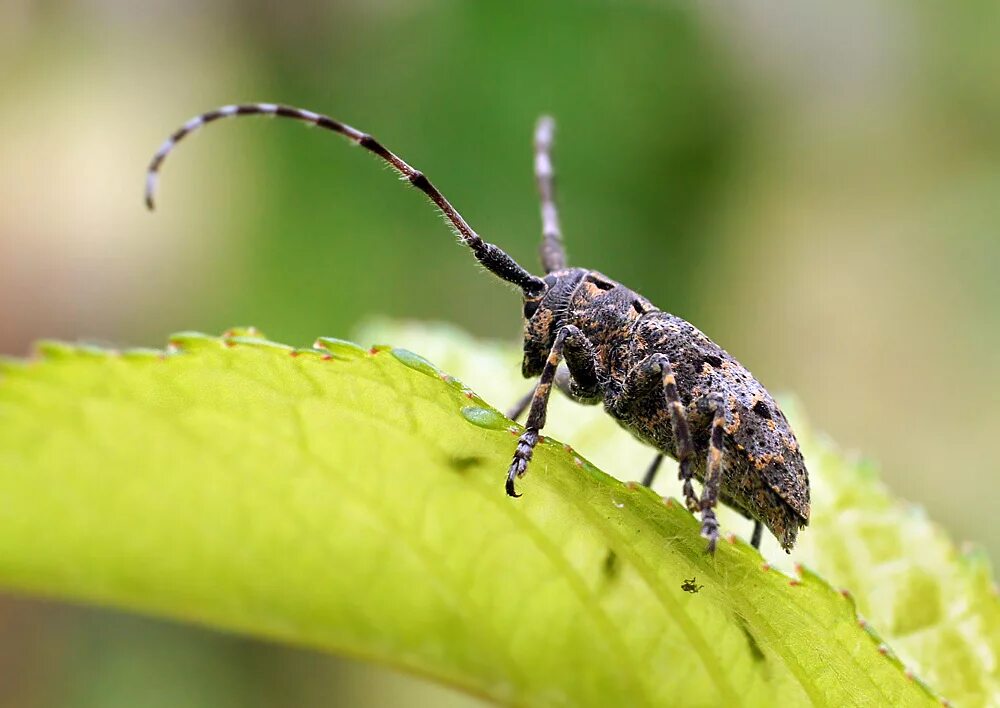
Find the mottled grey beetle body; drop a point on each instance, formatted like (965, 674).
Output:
(763, 475)
(657, 375)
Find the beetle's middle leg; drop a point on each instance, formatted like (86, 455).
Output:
(518, 409)
(655, 371)
(654, 467)
(581, 360)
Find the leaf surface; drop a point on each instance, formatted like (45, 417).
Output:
(352, 500)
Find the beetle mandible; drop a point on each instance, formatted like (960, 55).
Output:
(600, 342)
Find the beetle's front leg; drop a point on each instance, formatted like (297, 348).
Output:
(579, 353)
(565, 382)
(578, 379)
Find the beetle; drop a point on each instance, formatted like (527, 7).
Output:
(598, 341)
(690, 586)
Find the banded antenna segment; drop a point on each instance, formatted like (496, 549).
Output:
(491, 257)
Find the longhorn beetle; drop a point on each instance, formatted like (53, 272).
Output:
(657, 375)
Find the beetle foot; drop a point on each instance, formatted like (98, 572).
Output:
(690, 498)
(522, 456)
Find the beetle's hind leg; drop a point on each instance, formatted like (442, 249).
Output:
(576, 378)
(581, 360)
(713, 477)
(758, 526)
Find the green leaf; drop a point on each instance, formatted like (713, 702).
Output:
(352, 500)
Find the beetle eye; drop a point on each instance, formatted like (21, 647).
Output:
(530, 308)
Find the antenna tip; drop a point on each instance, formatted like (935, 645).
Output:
(150, 188)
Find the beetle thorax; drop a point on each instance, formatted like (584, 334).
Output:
(602, 308)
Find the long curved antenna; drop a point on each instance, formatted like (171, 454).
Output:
(552, 250)
(492, 257)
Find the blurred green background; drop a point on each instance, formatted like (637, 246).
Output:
(816, 186)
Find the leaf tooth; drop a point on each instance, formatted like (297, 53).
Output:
(340, 348)
(190, 341)
(308, 353)
(415, 362)
(256, 343)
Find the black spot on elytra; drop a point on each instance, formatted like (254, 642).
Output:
(638, 307)
(761, 409)
(600, 283)
(713, 361)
